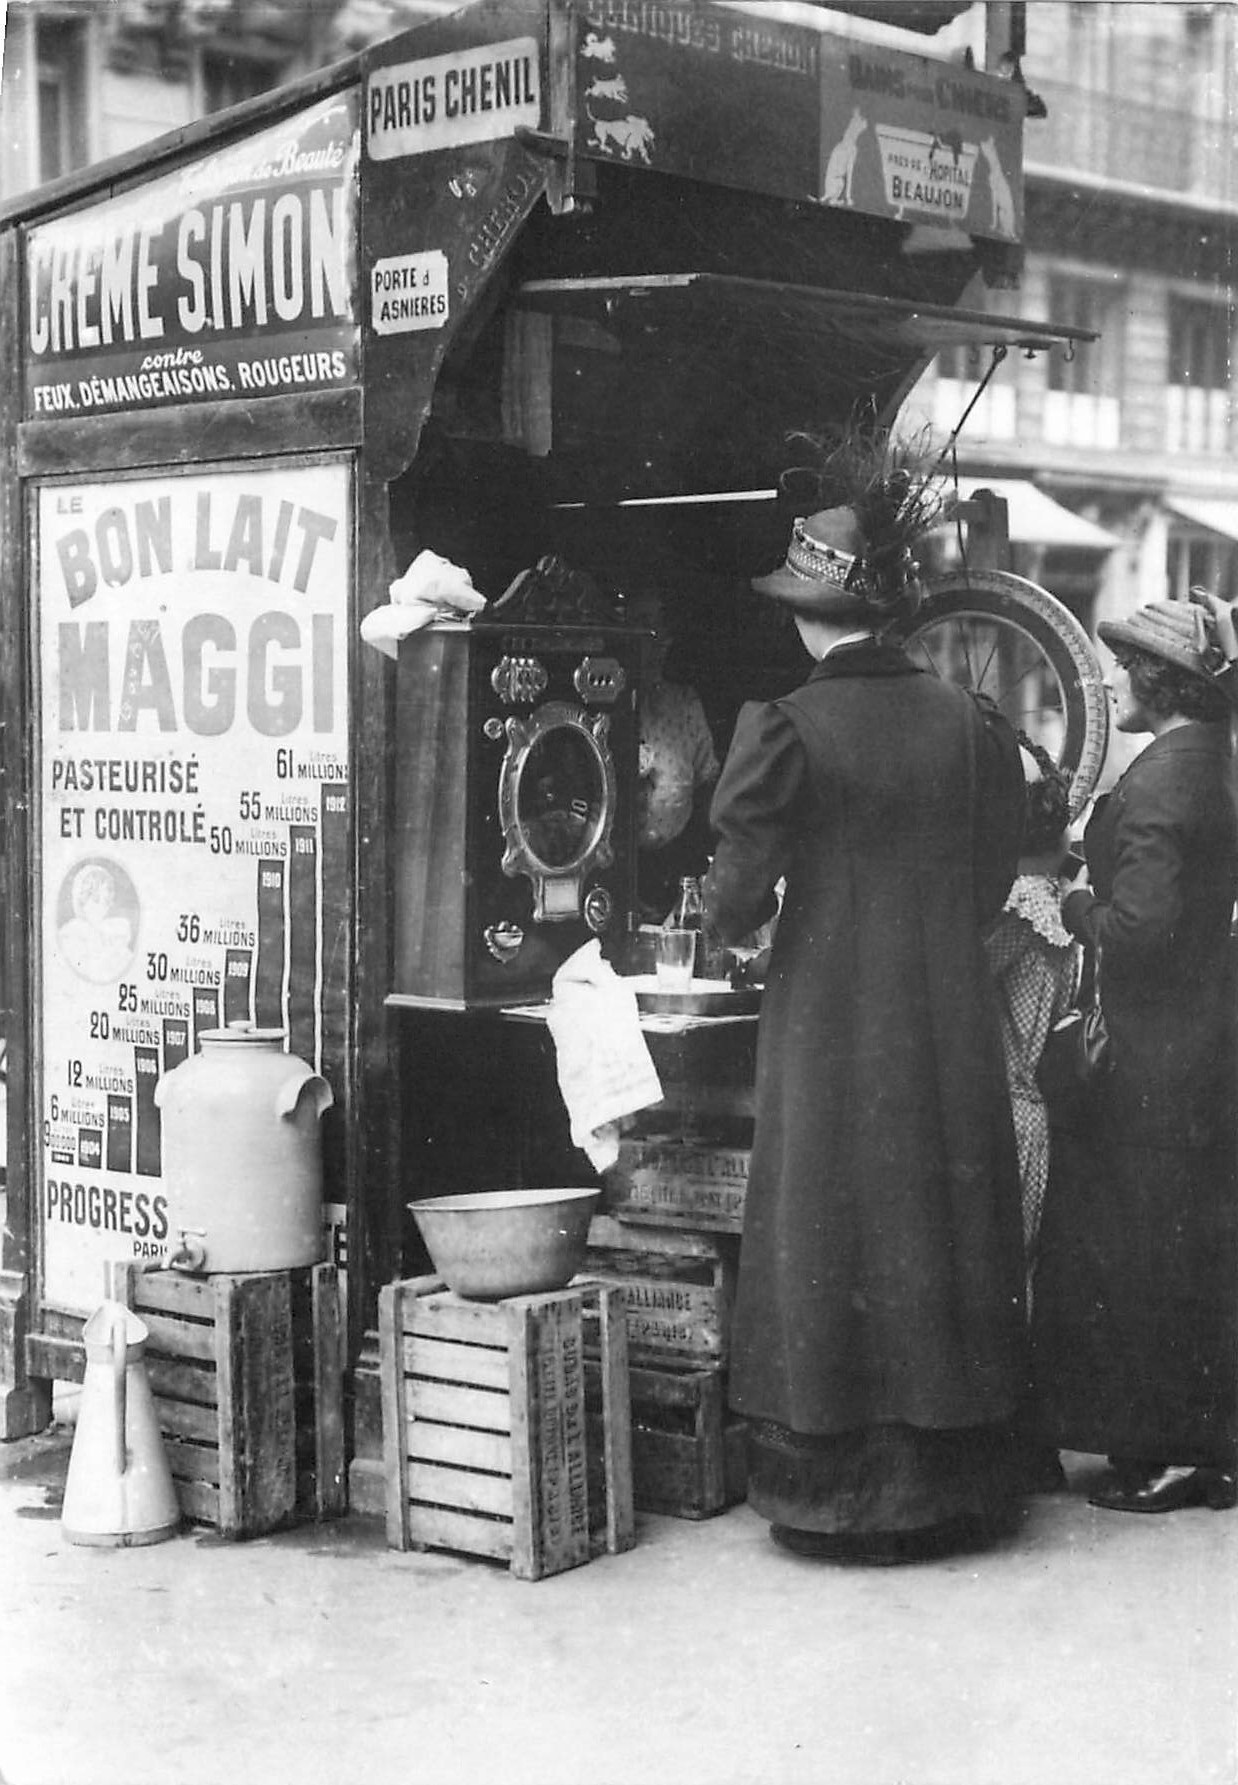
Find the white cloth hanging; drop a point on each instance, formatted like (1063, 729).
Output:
(605, 1068)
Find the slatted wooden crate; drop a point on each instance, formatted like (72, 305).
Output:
(688, 1456)
(678, 1288)
(485, 1443)
(672, 1183)
(246, 1373)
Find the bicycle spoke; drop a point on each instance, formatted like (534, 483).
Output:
(1018, 682)
(970, 660)
(1046, 713)
(992, 654)
(967, 638)
(930, 661)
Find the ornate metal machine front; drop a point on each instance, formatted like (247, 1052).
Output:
(515, 784)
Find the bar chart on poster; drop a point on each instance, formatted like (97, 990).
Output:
(195, 817)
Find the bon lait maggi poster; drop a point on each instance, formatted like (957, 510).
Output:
(194, 811)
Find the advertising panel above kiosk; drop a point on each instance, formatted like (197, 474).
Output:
(853, 125)
(231, 278)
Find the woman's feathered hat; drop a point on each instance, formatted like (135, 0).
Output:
(857, 557)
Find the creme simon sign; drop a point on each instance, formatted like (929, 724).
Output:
(234, 277)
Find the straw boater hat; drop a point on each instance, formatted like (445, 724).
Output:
(1175, 631)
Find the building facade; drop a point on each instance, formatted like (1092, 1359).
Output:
(1132, 230)
(84, 80)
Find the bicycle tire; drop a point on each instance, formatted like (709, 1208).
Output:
(1035, 628)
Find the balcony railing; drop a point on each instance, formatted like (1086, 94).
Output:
(1077, 418)
(1174, 151)
(994, 415)
(1198, 420)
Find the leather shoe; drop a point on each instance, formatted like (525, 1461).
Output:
(1133, 1472)
(1169, 1490)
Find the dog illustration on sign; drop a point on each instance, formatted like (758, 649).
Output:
(1003, 218)
(612, 91)
(615, 127)
(631, 136)
(840, 168)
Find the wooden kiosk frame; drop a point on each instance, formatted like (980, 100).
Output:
(596, 252)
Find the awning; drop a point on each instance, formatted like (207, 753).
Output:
(856, 318)
(1036, 519)
(1217, 517)
(696, 381)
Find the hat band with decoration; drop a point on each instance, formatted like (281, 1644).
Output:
(817, 563)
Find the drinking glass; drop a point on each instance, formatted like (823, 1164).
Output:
(676, 957)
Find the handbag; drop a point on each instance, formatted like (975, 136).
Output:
(1075, 1057)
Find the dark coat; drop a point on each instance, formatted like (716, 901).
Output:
(1161, 858)
(1137, 1282)
(881, 1268)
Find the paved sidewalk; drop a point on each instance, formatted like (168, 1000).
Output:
(1093, 1648)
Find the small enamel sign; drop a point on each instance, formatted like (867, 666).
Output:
(409, 291)
(471, 96)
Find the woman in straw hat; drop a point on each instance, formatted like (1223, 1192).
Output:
(878, 1343)
(1135, 1325)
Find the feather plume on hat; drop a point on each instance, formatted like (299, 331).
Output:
(891, 492)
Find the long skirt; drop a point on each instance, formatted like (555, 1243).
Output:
(882, 1481)
(1135, 1315)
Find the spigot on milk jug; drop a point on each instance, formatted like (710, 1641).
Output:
(242, 1157)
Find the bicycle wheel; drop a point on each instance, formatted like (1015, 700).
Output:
(998, 634)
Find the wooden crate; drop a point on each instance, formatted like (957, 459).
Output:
(247, 1375)
(485, 1445)
(672, 1183)
(688, 1455)
(678, 1289)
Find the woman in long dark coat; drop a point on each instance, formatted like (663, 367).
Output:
(878, 1345)
(1135, 1325)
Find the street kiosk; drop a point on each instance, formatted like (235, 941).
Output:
(538, 286)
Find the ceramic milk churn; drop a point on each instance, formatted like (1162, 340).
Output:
(242, 1158)
(119, 1486)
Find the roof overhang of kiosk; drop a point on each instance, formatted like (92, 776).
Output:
(644, 362)
(551, 237)
(846, 319)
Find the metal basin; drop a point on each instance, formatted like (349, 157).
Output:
(491, 1243)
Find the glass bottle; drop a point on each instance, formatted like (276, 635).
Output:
(688, 912)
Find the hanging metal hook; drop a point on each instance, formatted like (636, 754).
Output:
(999, 354)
